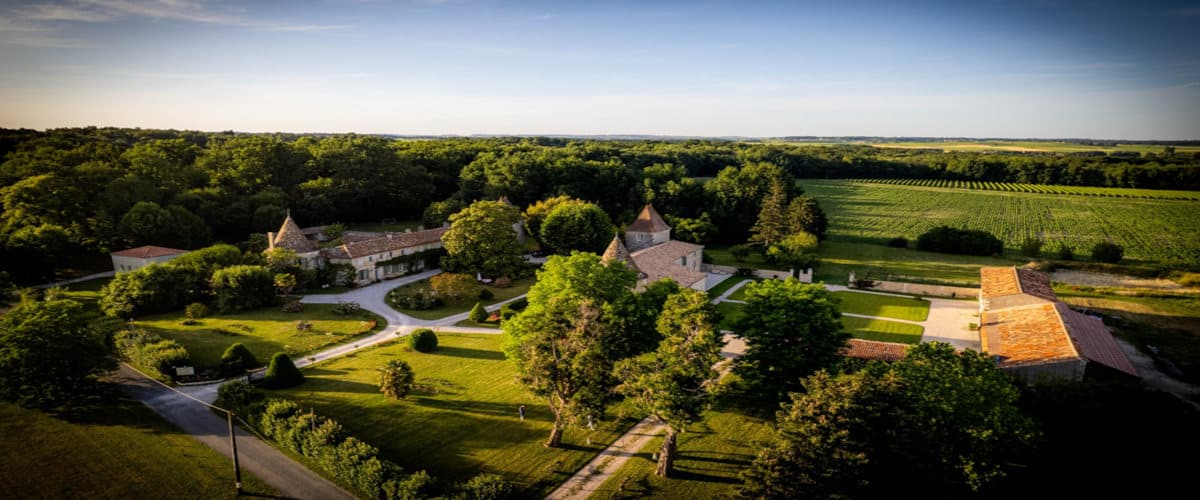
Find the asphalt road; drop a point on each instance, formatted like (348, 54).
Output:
(289, 478)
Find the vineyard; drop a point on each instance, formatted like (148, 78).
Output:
(1163, 230)
(1039, 188)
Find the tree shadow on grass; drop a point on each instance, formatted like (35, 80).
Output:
(689, 475)
(474, 407)
(339, 385)
(464, 352)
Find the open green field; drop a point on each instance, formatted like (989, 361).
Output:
(1151, 230)
(887, 306)
(110, 448)
(1039, 188)
(468, 426)
(1027, 146)
(264, 331)
(882, 330)
(879, 262)
(710, 455)
(519, 287)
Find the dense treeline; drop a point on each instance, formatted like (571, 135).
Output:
(72, 193)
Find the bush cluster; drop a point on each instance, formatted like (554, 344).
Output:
(946, 239)
(898, 242)
(151, 353)
(1110, 253)
(419, 300)
(423, 340)
(282, 373)
(345, 457)
(237, 359)
(346, 308)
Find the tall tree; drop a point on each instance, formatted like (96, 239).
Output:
(47, 352)
(535, 214)
(481, 239)
(673, 385)
(580, 227)
(772, 225)
(558, 342)
(804, 214)
(792, 329)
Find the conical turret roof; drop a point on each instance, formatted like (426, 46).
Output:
(648, 221)
(617, 252)
(291, 237)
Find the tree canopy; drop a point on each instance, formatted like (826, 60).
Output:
(481, 239)
(48, 352)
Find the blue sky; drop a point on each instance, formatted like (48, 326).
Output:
(1046, 68)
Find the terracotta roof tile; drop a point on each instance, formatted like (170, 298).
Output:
(661, 261)
(1026, 335)
(1001, 281)
(385, 243)
(870, 349)
(291, 237)
(148, 252)
(1093, 340)
(648, 221)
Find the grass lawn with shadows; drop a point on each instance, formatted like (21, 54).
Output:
(110, 447)
(882, 330)
(886, 306)
(709, 457)
(264, 331)
(839, 258)
(730, 312)
(725, 285)
(463, 421)
(519, 287)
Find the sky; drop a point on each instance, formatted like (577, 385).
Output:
(971, 68)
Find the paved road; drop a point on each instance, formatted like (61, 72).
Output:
(288, 477)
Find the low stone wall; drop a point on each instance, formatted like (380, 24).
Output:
(955, 292)
(768, 274)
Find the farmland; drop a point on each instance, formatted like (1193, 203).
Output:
(1039, 188)
(1151, 230)
(1028, 146)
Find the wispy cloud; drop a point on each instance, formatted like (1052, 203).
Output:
(55, 12)
(32, 34)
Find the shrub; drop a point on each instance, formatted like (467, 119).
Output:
(454, 287)
(502, 282)
(478, 313)
(739, 252)
(282, 373)
(486, 487)
(1031, 247)
(946, 239)
(1110, 253)
(346, 308)
(396, 379)
(423, 340)
(239, 397)
(293, 306)
(240, 288)
(486, 294)
(236, 359)
(1065, 252)
(898, 242)
(417, 301)
(151, 353)
(745, 272)
(195, 310)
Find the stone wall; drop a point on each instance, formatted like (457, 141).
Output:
(767, 274)
(956, 292)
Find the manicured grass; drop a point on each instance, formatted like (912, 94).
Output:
(87, 292)
(839, 258)
(719, 255)
(870, 304)
(397, 227)
(730, 312)
(882, 330)
(710, 455)
(111, 448)
(468, 426)
(485, 324)
(721, 287)
(264, 331)
(519, 287)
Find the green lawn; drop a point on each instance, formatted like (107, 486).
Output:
(396, 227)
(838, 258)
(710, 455)
(468, 426)
(264, 331)
(519, 287)
(485, 324)
(730, 312)
(719, 255)
(112, 448)
(721, 287)
(870, 304)
(882, 330)
(87, 292)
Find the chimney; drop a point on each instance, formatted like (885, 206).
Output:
(407, 230)
(270, 240)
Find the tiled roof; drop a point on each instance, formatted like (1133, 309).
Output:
(1001, 281)
(148, 252)
(661, 261)
(617, 252)
(870, 349)
(291, 237)
(1093, 340)
(1026, 335)
(648, 221)
(385, 243)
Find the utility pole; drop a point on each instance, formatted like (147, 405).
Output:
(237, 471)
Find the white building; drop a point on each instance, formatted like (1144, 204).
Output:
(137, 258)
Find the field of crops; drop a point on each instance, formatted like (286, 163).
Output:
(1039, 188)
(1151, 230)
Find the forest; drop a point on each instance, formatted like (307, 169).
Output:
(71, 195)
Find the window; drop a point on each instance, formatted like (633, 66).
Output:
(684, 260)
(364, 274)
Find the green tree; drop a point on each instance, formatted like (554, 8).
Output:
(736, 195)
(798, 251)
(1065, 252)
(454, 287)
(48, 353)
(281, 260)
(396, 379)
(423, 340)
(439, 212)
(580, 227)
(935, 424)
(673, 385)
(478, 313)
(282, 373)
(536, 213)
(239, 288)
(1110, 253)
(237, 358)
(557, 343)
(805, 214)
(772, 225)
(1032, 247)
(700, 230)
(146, 224)
(481, 239)
(792, 329)
(285, 282)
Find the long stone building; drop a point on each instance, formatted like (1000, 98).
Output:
(372, 256)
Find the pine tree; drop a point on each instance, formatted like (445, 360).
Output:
(772, 225)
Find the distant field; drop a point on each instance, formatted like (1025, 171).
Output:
(1040, 188)
(1151, 230)
(1028, 146)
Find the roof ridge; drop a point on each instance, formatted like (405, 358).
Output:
(1058, 315)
